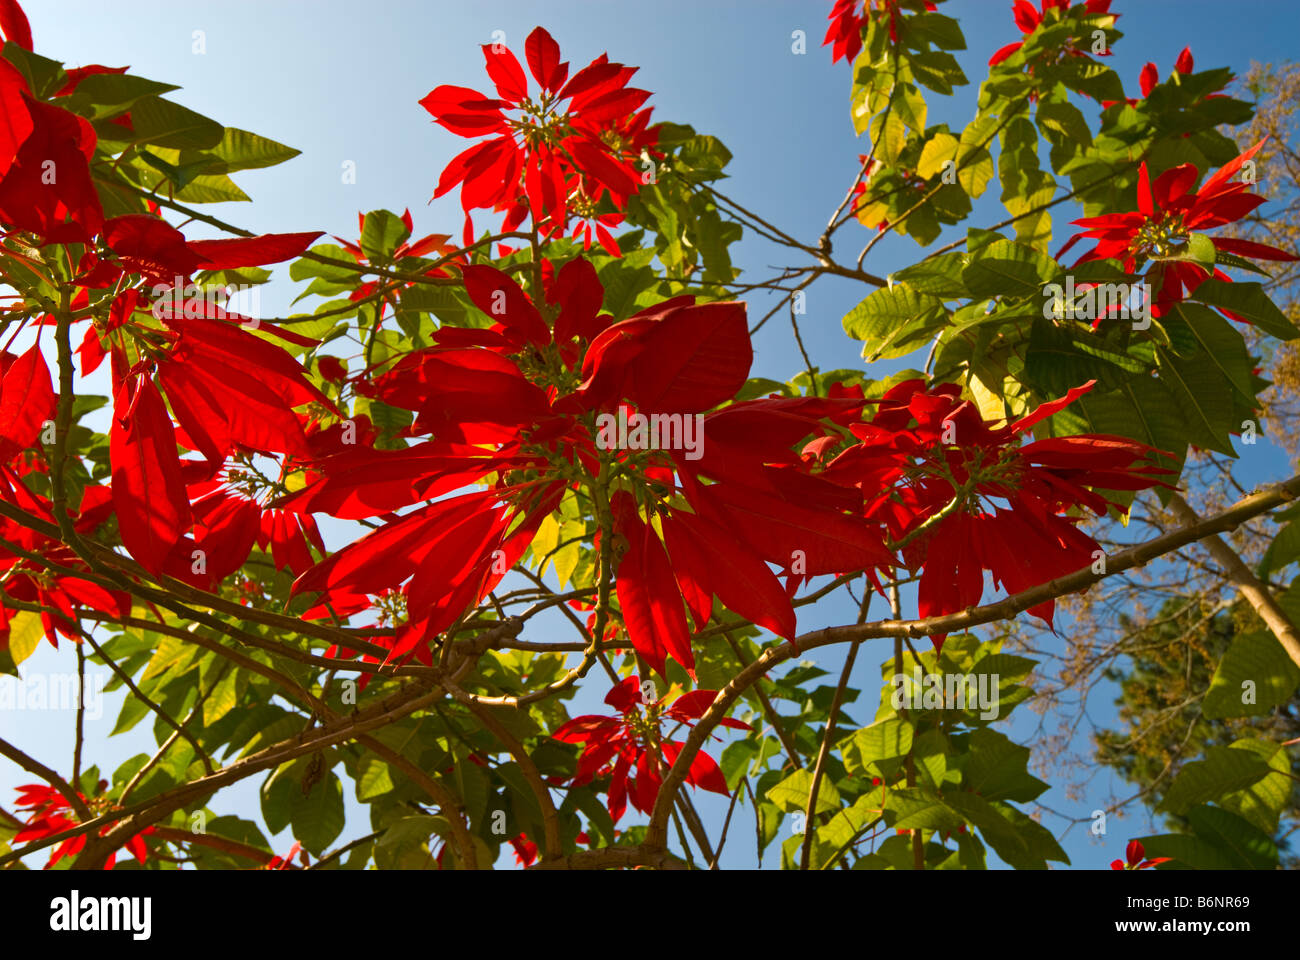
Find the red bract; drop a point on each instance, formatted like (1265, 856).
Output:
(968, 497)
(231, 392)
(525, 850)
(1150, 76)
(49, 813)
(1029, 19)
(848, 17)
(45, 152)
(1169, 212)
(1135, 855)
(630, 749)
(577, 144)
(13, 24)
(534, 403)
(286, 862)
(154, 249)
(35, 139)
(32, 581)
(27, 401)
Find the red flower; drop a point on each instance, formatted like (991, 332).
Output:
(532, 405)
(925, 449)
(525, 850)
(849, 17)
(286, 862)
(1028, 20)
(36, 139)
(13, 24)
(630, 749)
(60, 594)
(1168, 213)
(1134, 853)
(578, 144)
(50, 813)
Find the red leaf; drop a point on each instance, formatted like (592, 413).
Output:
(26, 402)
(14, 25)
(506, 73)
(150, 246)
(647, 593)
(152, 510)
(543, 55)
(703, 773)
(500, 298)
(251, 251)
(15, 120)
(694, 359)
(742, 581)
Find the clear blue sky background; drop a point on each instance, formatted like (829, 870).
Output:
(341, 80)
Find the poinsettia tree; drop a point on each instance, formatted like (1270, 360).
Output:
(544, 420)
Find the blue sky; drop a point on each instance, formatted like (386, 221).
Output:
(340, 81)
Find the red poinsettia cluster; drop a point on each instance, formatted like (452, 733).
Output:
(1028, 19)
(1169, 212)
(528, 406)
(1135, 858)
(848, 18)
(554, 155)
(45, 152)
(963, 496)
(27, 408)
(632, 751)
(49, 813)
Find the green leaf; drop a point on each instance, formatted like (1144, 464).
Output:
(1255, 668)
(317, 818)
(25, 633)
(920, 808)
(938, 151)
(414, 830)
(974, 162)
(168, 124)
(222, 699)
(1245, 846)
(1249, 301)
(374, 780)
(1007, 268)
(1204, 395)
(1065, 120)
(1262, 802)
(44, 76)
(383, 233)
(943, 32)
(242, 150)
(1020, 841)
(1222, 343)
(791, 794)
(103, 95)
(998, 769)
(1223, 770)
(937, 70)
(880, 741)
(1283, 551)
(938, 276)
(894, 321)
